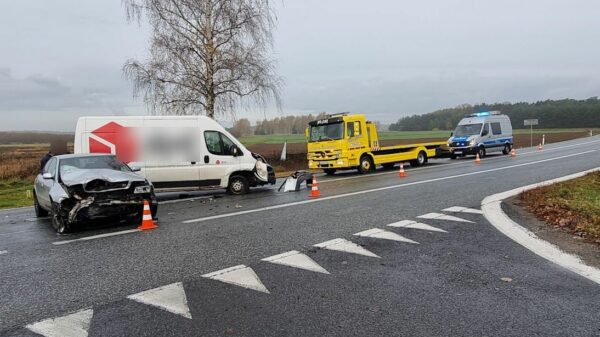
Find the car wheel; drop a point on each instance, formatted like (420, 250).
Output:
(481, 152)
(421, 160)
(506, 149)
(238, 185)
(39, 211)
(329, 171)
(59, 224)
(366, 165)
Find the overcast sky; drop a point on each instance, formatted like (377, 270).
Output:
(62, 59)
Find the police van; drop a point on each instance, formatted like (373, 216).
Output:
(481, 133)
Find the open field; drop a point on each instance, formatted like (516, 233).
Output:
(572, 206)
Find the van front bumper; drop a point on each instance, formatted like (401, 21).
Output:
(457, 151)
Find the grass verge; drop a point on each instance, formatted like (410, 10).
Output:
(572, 206)
(14, 193)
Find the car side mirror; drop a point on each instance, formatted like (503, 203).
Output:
(47, 175)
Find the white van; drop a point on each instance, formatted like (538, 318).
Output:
(481, 133)
(175, 151)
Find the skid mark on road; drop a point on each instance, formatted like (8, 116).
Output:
(385, 188)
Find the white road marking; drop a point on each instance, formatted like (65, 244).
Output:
(378, 233)
(73, 325)
(93, 237)
(385, 188)
(2, 252)
(416, 225)
(170, 298)
(297, 260)
(492, 211)
(342, 245)
(240, 276)
(440, 216)
(459, 209)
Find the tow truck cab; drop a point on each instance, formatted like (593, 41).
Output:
(346, 141)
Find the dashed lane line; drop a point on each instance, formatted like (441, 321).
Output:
(93, 237)
(385, 188)
(2, 252)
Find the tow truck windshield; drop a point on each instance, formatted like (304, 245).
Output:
(467, 130)
(325, 132)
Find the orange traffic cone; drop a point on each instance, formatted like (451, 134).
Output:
(540, 147)
(314, 192)
(401, 173)
(147, 222)
(477, 159)
(513, 153)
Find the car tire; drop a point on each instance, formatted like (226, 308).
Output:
(481, 151)
(59, 224)
(39, 211)
(365, 165)
(238, 185)
(329, 171)
(421, 160)
(506, 149)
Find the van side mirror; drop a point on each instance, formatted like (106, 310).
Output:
(47, 175)
(235, 151)
(484, 133)
(136, 169)
(451, 133)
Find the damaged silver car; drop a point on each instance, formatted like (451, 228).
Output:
(77, 188)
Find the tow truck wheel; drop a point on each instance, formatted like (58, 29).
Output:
(506, 149)
(421, 160)
(59, 224)
(238, 185)
(481, 151)
(329, 171)
(39, 211)
(366, 165)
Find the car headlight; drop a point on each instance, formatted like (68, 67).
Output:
(262, 171)
(472, 142)
(142, 189)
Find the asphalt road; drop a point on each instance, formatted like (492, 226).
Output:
(444, 283)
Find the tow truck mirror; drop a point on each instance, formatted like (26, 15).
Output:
(306, 133)
(356, 129)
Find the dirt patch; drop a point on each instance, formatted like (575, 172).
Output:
(569, 243)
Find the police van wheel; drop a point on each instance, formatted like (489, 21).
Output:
(329, 171)
(238, 185)
(366, 165)
(481, 152)
(506, 149)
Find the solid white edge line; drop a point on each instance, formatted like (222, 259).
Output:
(331, 197)
(492, 210)
(93, 237)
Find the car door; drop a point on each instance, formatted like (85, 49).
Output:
(43, 186)
(218, 161)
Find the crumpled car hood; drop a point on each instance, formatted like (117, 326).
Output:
(84, 176)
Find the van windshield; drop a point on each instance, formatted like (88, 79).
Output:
(467, 130)
(326, 132)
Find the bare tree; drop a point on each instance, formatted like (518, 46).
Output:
(206, 56)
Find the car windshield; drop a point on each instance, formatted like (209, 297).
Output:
(93, 162)
(467, 130)
(326, 132)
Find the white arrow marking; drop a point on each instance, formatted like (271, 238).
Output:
(416, 225)
(170, 298)
(459, 209)
(73, 325)
(439, 216)
(297, 260)
(342, 245)
(383, 234)
(240, 276)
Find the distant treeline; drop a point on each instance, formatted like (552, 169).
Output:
(33, 137)
(289, 125)
(565, 113)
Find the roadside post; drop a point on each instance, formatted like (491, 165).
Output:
(530, 123)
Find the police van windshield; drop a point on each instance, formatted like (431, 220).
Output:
(326, 132)
(467, 130)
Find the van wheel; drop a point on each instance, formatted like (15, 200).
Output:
(506, 149)
(421, 160)
(238, 185)
(329, 171)
(366, 165)
(39, 211)
(481, 151)
(59, 224)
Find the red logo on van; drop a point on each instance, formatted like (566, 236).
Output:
(116, 139)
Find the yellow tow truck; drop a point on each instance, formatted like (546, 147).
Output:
(346, 141)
